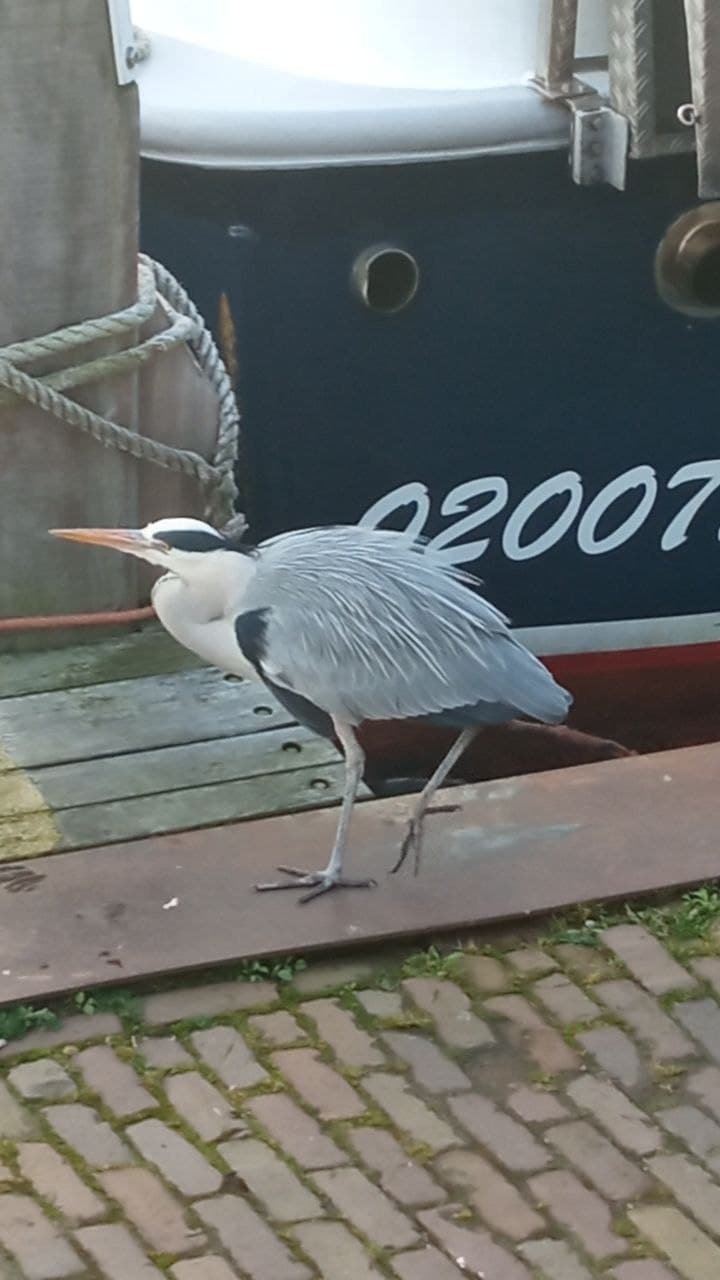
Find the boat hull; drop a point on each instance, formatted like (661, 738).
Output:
(535, 409)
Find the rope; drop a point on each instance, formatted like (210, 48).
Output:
(155, 284)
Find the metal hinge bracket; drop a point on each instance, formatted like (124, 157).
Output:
(599, 142)
(124, 38)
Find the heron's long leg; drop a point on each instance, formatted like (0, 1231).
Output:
(331, 877)
(413, 835)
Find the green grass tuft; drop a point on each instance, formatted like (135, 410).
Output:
(18, 1019)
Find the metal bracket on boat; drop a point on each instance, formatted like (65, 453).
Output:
(554, 73)
(703, 30)
(598, 143)
(598, 135)
(663, 93)
(127, 48)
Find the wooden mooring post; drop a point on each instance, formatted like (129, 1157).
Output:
(69, 160)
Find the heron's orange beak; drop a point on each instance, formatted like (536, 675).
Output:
(132, 540)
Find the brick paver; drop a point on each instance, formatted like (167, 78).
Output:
(156, 1215)
(176, 1158)
(555, 1259)
(626, 1123)
(117, 1253)
(270, 1180)
(320, 1086)
(648, 961)
(114, 1081)
(402, 1178)
(369, 1210)
(451, 1011)
(486, 974)
(536, 1106)
(335, 1251)
(597, 1160)
(15, 1122)
(299, 1133)
(699, 1133)
(409, 1113)
(508, 1140)
(351, 1045)
(42, 1079)
(564, 999)
(90, 1136)
(164, 1052)
(57, 1182)
(207, 1268)
(473, 1249)
(615, 1053)
(702, 1019)
(429, 1066)
(694, 1254)
(279, 1029)
(496, 1199)
(544, 1043)
(206, 1002)
(705, 1084)
(579, 1210)
(643, 1269)
(645, 1018)
(250, 1242)
(227, 1054)
(202, 1106)
(551, 1113)
(34, 1241)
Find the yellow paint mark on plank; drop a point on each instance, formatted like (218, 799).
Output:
(27, 824)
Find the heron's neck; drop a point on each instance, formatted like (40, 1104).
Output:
(204, 592)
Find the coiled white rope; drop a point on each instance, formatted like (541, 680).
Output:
(155, 284)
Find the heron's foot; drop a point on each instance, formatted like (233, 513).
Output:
(318, 882)
(413, 838)
(412, 843)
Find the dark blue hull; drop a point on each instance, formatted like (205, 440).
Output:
(536, 399)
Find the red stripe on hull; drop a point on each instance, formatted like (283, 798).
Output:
(566, 665)
(627, 701)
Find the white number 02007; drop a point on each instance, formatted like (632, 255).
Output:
(479, 501)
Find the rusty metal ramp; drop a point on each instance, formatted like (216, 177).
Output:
(508, 849)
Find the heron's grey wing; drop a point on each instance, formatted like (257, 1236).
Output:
(367, 626)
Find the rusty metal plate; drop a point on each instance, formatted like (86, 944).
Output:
(512, 848)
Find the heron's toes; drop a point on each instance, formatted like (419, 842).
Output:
(328, 882)
(412, 843)
(298, 879)
(316, 881)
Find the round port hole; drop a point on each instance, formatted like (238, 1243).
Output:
(687, 263)
(385, 278)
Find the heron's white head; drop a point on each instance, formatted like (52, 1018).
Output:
(190, 549)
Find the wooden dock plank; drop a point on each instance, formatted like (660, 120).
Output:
(153, 711)
(513, 848)
(124, 759)
(165, 769)
(186, 810)
(150, 651)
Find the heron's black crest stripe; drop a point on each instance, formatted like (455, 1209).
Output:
(192, 540)
(251, 633)
(303, 710)
(202, 540)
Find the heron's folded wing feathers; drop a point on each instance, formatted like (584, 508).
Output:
(369, 627)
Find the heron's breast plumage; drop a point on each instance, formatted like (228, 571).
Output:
(200, 627)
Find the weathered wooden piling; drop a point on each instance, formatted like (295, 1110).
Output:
(69, 159)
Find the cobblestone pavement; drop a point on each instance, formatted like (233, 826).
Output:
(546, 1112)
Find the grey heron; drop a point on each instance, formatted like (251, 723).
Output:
(343, 624)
